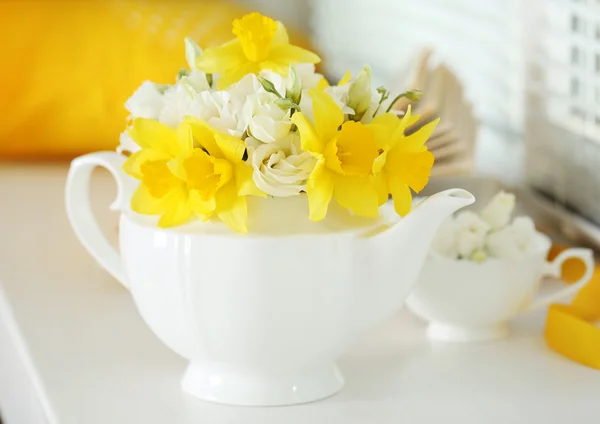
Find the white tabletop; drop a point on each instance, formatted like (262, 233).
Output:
(73, 349)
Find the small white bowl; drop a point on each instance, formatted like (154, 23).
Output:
(465, 301)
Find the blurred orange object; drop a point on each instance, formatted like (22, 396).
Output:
(68, 66)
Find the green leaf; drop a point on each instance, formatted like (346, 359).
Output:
(209, 79)
(192, 52)
(293, 90)
(268, 86)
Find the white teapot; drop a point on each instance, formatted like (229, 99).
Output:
(261, 317)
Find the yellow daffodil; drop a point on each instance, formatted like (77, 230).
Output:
(191, 170)
(405, 163)
(261, 43)
(345, 157)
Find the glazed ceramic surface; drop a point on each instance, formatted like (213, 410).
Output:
(465, 301)
(261, 317)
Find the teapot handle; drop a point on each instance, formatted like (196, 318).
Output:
(553, 269)
(80, 213)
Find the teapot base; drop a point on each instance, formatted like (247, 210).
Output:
(231, 385)
(457, 334)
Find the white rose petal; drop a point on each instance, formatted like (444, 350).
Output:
(197, 80)
(126, 144)
(497, 213)
(266, 121)
(179, 102)
(245, 87)
(280, 168)
(146, 102)
(308, 77)
(279, 81)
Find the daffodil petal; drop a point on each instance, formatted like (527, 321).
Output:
(232, 147)
(412, 168)
(217, 60)
(308, 134)
(281, 36)
(176, 167)
(204, 135)
(143, 202)
(379, 163)
(185, 138)
(345, 79)
(151, 134)
(319, 189)
(416, 141)
(285, 54)
(328, 115)
(133, 162)
(178, 211)
(357, 194)
(236, 73)
(277, 67)
(383, 127)
(201, 207)
(401, 196)
(323, 83)
(381, 187)
(232, 209)
(245, 183)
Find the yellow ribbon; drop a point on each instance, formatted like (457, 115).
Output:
(570, 329)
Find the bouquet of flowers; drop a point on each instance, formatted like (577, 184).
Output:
(253, 118)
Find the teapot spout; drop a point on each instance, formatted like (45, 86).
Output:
(392, 256)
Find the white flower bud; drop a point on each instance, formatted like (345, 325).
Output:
(497, 213)
(359, 94)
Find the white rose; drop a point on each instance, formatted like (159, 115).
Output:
(497, 212)
(444, 243)
(267, 122)
(220, 111)
(471, 233)
(513, 240)
(280, 168)
(146, 102)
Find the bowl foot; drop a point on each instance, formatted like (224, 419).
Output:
(231, 385)
(452, 333)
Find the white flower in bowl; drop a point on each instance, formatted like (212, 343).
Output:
(280, 168)
(513, 240)
(470, 233)
(497, 213)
